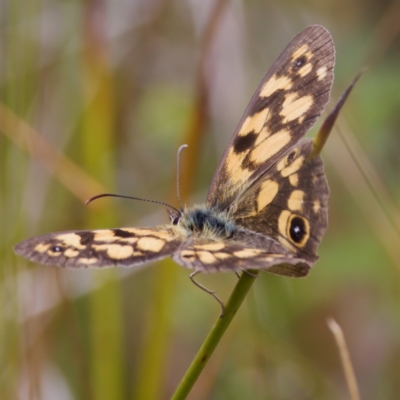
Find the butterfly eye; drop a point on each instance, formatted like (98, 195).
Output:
(297, 229)
(176, 220)
(174, 216)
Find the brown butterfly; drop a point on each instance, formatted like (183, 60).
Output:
(267, 205)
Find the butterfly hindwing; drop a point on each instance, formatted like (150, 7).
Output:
(124, 247)
(285, 105)
(235, 256)
(289, 202)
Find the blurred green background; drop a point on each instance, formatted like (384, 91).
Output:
(97, 96)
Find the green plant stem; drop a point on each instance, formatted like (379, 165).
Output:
(239, 293)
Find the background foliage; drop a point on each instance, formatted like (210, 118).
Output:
(97, 96)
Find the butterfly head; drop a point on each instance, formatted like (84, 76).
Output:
(174, 216)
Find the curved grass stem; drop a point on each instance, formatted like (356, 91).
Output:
(207, 348)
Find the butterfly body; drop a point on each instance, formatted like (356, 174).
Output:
(267, 204)
(205, 222)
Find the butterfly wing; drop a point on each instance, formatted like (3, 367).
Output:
(124, 247)
(247, 250)
(289, 99)
(289, 203)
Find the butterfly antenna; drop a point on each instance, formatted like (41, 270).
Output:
(178, 168)
(98, 196)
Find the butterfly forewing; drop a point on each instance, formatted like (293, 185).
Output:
(285, 105)
(124, 247)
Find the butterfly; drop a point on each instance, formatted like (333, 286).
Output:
(266, 208)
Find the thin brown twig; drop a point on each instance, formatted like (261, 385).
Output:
(345, 358)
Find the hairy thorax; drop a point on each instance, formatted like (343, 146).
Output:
(204, 222)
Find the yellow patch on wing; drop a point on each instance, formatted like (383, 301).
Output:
(210, 246)
(283, 222)
(115, 251)
(314, 179)
(296, 200)
(263, 135)
(87, 261)
(268, 190)
(274, 84)
(130, 240)
(270, 146)
(294, 179)
(71, 239)
(246, 253)
(104, 235)
(316, 206)
(300, 51)
(294, 107)
(293, 167)
(254, 123)
(321, 72)
(109, 237)
(265, 147)
(42, 248)
(222, 256)
(206, 257)
(71, 253)
(305, 69)
(54, 253)
(233, 166)
(272, 255)
(150, 244)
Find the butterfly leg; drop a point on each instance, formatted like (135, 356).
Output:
(213, 294)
